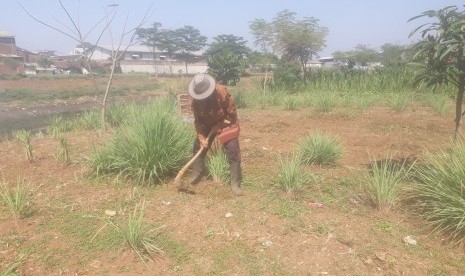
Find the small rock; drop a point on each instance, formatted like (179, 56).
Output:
(410, 240)
(267, 243)
(247, 140)
(264, 148)
(96, 264)
(110, 213)
(381, 256)
(166, 202)
(228, 215)
(368, 261)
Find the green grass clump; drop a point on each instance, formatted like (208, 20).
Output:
(399, 101)
(151, 144)
(291, 177)
(440, 192)
(25, 137)
(16, 200)
(439, 102)
(63, 150)
(218, 167)
(136, 234)
(59, 125)
(384, 182)
(89, 119)
(320, 149)
(291, 102)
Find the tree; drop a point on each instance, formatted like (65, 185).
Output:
(75, 33)
(44, 61)
(298, 39)
(188, 40)
(263, 35)
(226, 58)
(362, 56)
(151, 38)
(392, 54)
(440, 54)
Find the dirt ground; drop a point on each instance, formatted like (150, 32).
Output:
(211, 232)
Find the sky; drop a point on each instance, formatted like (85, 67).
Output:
(350, 22)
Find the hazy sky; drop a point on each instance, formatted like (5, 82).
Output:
(350, 22)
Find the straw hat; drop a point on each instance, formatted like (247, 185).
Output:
(201, 86)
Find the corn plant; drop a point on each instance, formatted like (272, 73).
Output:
(291, 177)
(440, 192)
(385, 181)
(319, 149)
(16, 200)
(25, 137)
(218, 167)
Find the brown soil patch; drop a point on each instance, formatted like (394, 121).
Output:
(269, 233)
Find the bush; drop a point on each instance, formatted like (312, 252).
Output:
(383, 183)
(320, 149)
(152, 143)
(218, 167)
(291, 177)
(439, 194)
(287, 74)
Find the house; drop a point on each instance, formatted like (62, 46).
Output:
(10, 61)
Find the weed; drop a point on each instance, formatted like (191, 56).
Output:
(399, 101)
(17, 200)
(290, 103)
(135, 234)
(152, 144)
(63, 151)
(25, 137)
(291, 177)
(439, 102)
(439, 193)
(218, 167)
(383, 183)
(320, 149)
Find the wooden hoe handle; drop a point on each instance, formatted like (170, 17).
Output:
(188, 164)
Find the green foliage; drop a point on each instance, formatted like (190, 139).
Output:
(152, 143)
(384, 183)
(319, 149)
(287, 74)
(63, 151)
(17, 200)
(439, 194)
(291, 177)
(59, 125)
(399, 101)
(440, 103)
(226, 58)
(25, 137)
(218, 166)
(291, 102)
(136, 235)
(326, 102)
(44, 61)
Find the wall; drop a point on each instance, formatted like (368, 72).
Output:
(175, 68)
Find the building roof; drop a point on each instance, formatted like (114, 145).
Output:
(6, 34)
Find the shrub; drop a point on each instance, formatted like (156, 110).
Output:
(151, 144)
(440, 192)
(383, 183)
(320, 149)
(25, 137)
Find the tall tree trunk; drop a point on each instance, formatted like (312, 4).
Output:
(265, 80)
(107, 91)
(458, 108)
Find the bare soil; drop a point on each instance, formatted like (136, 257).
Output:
(267, 232)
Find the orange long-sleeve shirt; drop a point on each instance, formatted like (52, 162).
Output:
(214, 110)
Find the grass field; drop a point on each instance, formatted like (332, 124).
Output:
(63, 219)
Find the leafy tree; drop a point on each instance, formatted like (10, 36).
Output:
(362, 56)
(264, 37)
(440, 54)
(151, 38)
(392, 54)
(188, 40)
(298, 39)
(44, 61)
(226, 58)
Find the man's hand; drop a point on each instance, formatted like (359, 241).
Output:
(203, 141)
